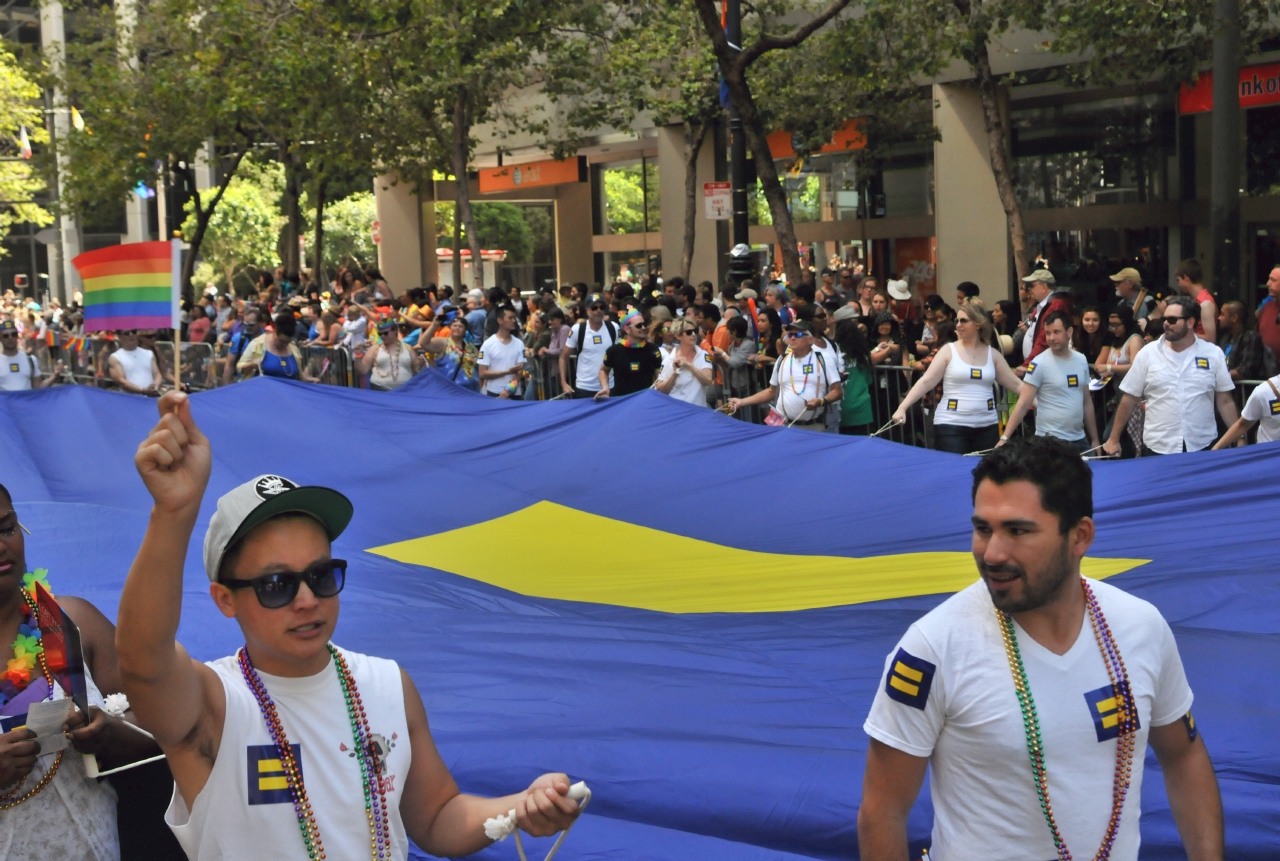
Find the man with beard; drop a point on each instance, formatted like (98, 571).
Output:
(1034, 665)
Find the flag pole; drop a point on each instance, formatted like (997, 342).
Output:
(175, 271)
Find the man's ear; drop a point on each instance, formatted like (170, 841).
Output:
(224, 599)
(1081, 536)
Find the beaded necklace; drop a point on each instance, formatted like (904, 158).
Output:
(791, 375)
(1126, 713)
(27, 653)
(375, 796)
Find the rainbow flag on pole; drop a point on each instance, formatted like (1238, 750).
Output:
(133, 286)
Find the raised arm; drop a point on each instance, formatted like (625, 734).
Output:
(927, 382)
(171, 694)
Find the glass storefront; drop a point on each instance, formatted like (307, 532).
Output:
(628, 196)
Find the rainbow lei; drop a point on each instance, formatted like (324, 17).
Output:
(26, 648)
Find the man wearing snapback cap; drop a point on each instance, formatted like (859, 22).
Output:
(256, 740)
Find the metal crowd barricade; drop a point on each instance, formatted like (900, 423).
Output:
(332, 366)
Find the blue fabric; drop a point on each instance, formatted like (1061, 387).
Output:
(710, 736)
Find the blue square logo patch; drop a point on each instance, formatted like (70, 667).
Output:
(13, 368)
(1073, 382)
(909, 679)
(1104, 708)
(1202, 363)
(953, 404)
(1031, 367)
(267, 782)
(596, 339)
(1275, 408)
(975, 373)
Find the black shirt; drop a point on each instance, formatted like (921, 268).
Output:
(634, 367)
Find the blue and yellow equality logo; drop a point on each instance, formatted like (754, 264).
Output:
(1104, 708)
(909, 679)
(267, 781)
(677, 573)
(1202, 363)
(1073, 381)
(975, 373)
(1275, 408)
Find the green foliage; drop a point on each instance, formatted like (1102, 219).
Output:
(623, 199)
(506, 226)
(242, 232)
(19, 107)
(348, 230)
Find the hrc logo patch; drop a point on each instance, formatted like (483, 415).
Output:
(267, 783)
(596, 339)
(635, 366)
(1104, 708)
(1275, 408)
(13, 368)
(991, 403)
(1190, 723)
(975, 373)
(808, 369)
(909, 680)
(1202, 363)
(1073, 381)
(481, 356)
(707, 356)
(1031, 366)
(953, 404)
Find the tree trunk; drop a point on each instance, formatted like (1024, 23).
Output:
(293, 216)
(463, 214)
(998, 146)
(457, 259)
(317, 271)
(693, 138)
(767, 173)
(203, 216)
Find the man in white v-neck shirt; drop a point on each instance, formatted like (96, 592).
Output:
(1034, 651)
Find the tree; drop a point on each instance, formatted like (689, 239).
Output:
(653, 61)
(242, 232)
(19, 113)
(450, 67)
(349, 229)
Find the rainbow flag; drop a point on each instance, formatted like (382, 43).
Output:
(133, 286)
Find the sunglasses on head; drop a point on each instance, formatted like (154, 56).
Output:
(278, 589)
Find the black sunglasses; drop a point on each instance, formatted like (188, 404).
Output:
(1173, 321)
(278, 589)
(595, 307)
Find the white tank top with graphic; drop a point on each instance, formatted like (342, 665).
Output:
(967, 396)
(245, 810)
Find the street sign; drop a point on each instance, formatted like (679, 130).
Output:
(376, 230)
(718, 197)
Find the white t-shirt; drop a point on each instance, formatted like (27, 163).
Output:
(16, 372)
(136, 365)
(686, 387)
(1264, 407)
(245, 809)
(591, 354)
(802, 379)
(948, 695)
(1061, 386)
(1179, 388)
(497, 356)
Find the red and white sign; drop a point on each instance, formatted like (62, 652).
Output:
(718, 197)
(376, 230)
(1259, 85)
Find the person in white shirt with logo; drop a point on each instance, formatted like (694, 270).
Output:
(688, 369)
(1262, 409)
(1181, 378)
(501, 355)
(253, 739)
(1032, 695)
(18, 369)
(589, 341)
(1059, 377)
(803, 385)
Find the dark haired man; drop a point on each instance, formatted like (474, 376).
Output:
(501, 356)
(1034, 665)
(18, 369)
(1057, 381)
(965, 291)
(1181, 378)
(253, 740)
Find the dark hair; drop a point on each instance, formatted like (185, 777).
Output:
(689, 292)
(496, 295)
(1058, 316)
(676, 282)
(504, 308)
(805, 312)
(804, 291)
(1125, 313)
(851, 340)
(285, 324)
(1189, 269)
(775, 331)
(4, 491)
(933, 301)
(968, 288)
(1190, 307)
(1052, 465)
(1089, 345)
(555, 314)
(1012, 313)
(948, 312)
(737, 327)
(709, 312)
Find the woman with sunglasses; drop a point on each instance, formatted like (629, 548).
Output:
(687, 370)
(253, 739)
(968, 368)
(274, 354)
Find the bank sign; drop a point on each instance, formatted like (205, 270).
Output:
(1259, 85)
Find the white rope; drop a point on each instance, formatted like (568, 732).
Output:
(117, 705)
(886, 427)
(499, 828)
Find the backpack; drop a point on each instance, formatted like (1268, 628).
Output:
(608, 325)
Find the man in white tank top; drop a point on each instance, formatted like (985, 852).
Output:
(293, 748)
(133, 368)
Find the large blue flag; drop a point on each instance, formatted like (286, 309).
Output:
(689, 612)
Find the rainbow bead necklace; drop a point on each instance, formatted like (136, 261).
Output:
(10, 798)
(1126, 712)
(375, 796)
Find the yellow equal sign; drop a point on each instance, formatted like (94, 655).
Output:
(271, 775)
(901, 672)
(1108, 705)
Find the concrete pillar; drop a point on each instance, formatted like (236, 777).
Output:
(400, 223)
(973, 236)
(427, 207)
(575, 259)
(671, 177)
(53, 46)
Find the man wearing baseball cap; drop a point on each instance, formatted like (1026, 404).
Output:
(293, 748)
(803, 385)
(1047, 299)
(1131, 292)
